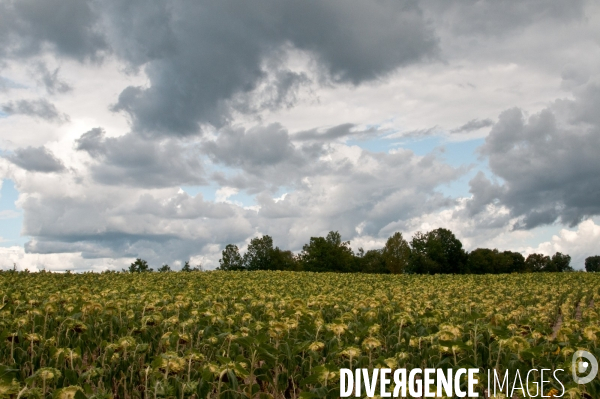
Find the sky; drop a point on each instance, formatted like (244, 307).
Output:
(166, 130)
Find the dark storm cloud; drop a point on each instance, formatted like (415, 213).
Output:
(39, 109)
(66, 26)
(202, 57)
(132, 160)
(38, 159)
(549, 162)
(199, 55)
(472, 125)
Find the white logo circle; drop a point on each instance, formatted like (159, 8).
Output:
(583, 366)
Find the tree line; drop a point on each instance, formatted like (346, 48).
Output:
(433, 252)
(141, 266)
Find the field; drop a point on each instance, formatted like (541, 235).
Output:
(280, 334)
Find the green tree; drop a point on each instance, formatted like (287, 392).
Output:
(483, 261)
(259, 255)
(559, 263)
(283, 260)
(516, 261)
(186, 267)
(139, 266)
(372, 261)
(327, 254)
(437, 251)
(537, 262)
(396, 254)
(164, 268)
(231, 258)
(592, 263)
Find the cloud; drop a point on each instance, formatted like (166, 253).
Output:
(574, 76)
(358, 188)
(484, 193)
(36, 159)
(472, 125)
(138, 162)
(68, 27)
(39, 109)
(198, 56)
(579, 243)
(8, 214)
(268, 157)
(110, 222)
(342, 188)
(7, 84)
(262, 157)
(548, 162)
(287, 87)
(471, 17)
(223, 194)
(16, 257)
(416, 133)
(51, 80)
(333, 133)
(252, 148)
(278, 88)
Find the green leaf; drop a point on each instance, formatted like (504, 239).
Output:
(7, 374)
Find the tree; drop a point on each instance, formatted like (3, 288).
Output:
(231, 258)
(283, 260)
(139, 266)
(327, 254)
(592, 263)
(516, 261)
(259, 254)
(396, 254)
(437, 251)
(372, 261)
(559, 263)
(164, 268)
(537, 263)
(186, 267)
(483, 261)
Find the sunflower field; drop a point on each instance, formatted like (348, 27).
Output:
(281, 334)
